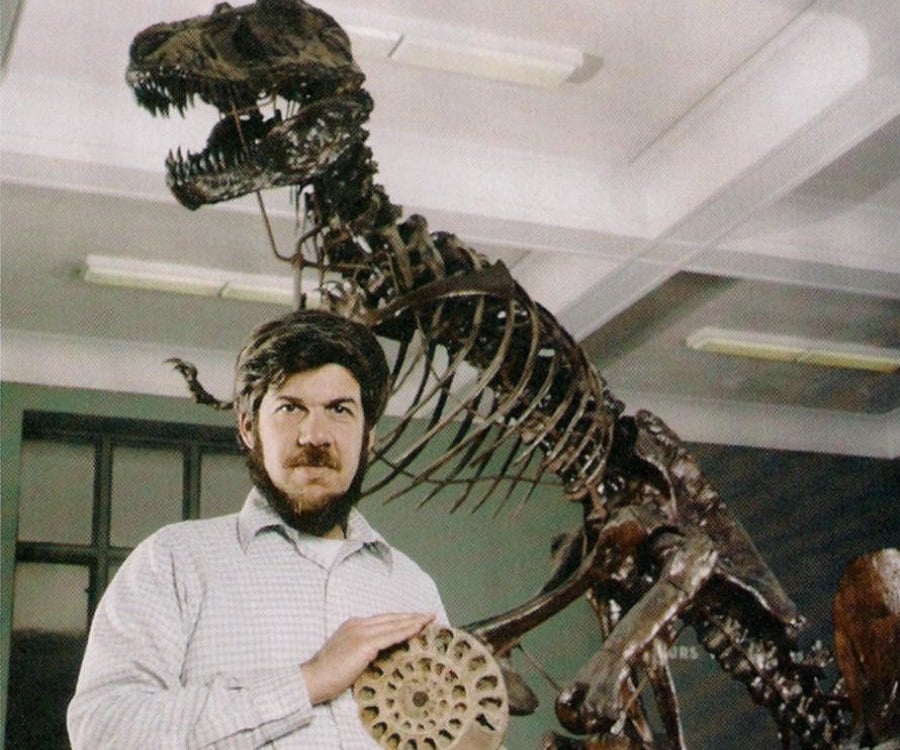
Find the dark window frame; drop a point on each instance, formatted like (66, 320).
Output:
(105, 434)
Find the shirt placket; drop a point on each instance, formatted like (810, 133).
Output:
(337, 610)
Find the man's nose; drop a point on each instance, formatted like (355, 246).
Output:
(314, 429)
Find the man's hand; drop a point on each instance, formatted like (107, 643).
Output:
(351, 649)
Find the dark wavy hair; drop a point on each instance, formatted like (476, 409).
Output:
(306, 340)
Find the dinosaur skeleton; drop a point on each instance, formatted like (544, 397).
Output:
(496, 381)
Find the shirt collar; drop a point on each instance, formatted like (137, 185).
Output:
(258, 516)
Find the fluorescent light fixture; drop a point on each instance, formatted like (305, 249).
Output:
(276, 290)
(183, 279)
(497, 58)
(795, 349)
(459, 49)
(168, 277)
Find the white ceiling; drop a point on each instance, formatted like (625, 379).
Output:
(757, 140)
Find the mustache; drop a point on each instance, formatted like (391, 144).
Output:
(314, 456)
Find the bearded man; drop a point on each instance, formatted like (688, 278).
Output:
(247, 631)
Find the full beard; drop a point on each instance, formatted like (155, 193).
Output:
(332, 512)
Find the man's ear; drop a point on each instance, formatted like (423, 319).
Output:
(245, 428)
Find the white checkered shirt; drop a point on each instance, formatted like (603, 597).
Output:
(198, 640)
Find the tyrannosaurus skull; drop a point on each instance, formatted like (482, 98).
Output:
(279, 52)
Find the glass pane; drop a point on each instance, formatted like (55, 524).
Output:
(147, 490)
(48, 637)
(50, 597)
(224, 484)
(57, 492)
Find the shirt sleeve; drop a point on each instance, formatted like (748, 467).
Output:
(130, 693)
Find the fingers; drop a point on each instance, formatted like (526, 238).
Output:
(351, 648)
(381, 631)
(367, 636)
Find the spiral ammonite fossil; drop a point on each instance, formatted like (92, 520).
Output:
(441, 690)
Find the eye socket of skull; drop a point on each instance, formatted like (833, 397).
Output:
(247, 43)
(148, 42)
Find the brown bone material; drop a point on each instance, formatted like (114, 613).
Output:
(866, 615)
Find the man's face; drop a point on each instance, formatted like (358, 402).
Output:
(310, 432)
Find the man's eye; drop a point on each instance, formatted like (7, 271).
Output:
(287, 408)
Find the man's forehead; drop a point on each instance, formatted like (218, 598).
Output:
(329, 382)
